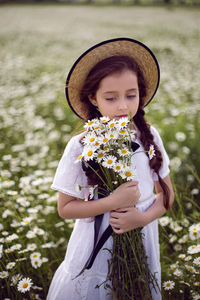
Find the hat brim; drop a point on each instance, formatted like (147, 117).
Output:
(144, 57)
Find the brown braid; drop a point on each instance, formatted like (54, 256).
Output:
(146, 138)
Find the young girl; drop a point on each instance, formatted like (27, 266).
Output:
(115, 78)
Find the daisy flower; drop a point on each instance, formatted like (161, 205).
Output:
(109, 161)
(123, 152)
(190, 269)
(105, 119)
(104, 139)
(26, 221)
(35, 255)
(168, 285)
(128, 173)
(36, 263)
(31, 247)
(3, 274)
(91, 124)
(24, 285)
(100, 156)
(79, 158)
(112, 124)
(178, 273)
(164, 221)
(118, 167)
(90, 139)
(88, 153)
(151, 152)
(197, 261)
(10, 265)
(193, 249)
(113, 135)
(123, 122)
(38, 231)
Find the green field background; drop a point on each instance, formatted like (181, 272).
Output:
(38, 45)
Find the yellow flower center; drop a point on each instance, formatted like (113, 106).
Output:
(3, 274)
(122, 131)
(124, 151)
(105, 140)
(90, 123)
(123, 123)
(96, 144)
(128, 174)
(80, 156)
(100, 155)
(92, 140)
(90, 153)
(110, 161)
(118, 168)
(25, 284)
(168, 284)
(112, 125)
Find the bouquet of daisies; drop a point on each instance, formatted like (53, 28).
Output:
(108, 148)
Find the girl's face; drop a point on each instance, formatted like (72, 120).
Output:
(117, 95)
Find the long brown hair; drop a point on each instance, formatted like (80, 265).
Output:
(117, 64)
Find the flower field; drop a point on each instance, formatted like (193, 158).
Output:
(38, 46)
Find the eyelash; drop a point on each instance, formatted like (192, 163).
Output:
(129, 97)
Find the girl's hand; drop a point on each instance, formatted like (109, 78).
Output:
(126, 219)
(126, 195)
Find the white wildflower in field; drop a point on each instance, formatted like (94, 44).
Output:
(31, 247)
(168, 285)
(190, 268)
(36, 262)
(26, 221)
(175, 226)
(197, 261)
(194, 231)
(164, 221)
(11, 237)
(178, 273)
(193, 249)
(188, 258)
(183, 239)
(180, 136)
(38, 230)
(30, 234)
(195, 191)
(182, 256)
(3, 274)
(172, 238)
(7, 213)
(177, 247)
(35, 255)
(10, 265)
(24, 285)
(128, 173)
(123, 122)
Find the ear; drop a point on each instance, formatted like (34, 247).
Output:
(93, 100)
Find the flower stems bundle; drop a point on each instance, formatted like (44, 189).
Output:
(129, 271)
(107, 152)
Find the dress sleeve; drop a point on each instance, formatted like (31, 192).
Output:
(70, 175)
(164, 170)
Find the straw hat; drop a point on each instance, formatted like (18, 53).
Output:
(119, 46)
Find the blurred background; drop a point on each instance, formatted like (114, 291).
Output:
(39, 41)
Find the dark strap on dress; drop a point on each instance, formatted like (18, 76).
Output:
(105, 235)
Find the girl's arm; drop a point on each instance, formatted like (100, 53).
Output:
(125, 195)
(123, 220)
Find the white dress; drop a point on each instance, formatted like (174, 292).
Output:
(64, 285)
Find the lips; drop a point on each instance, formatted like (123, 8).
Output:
(122, 116)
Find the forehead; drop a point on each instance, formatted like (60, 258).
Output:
(126, 79)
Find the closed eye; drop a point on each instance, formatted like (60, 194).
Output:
(131, 96)
(110, 98)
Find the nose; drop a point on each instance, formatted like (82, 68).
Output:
(122, 105)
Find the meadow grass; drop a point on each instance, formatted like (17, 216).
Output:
(38, 46)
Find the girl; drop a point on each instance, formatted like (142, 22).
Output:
(115, 78)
